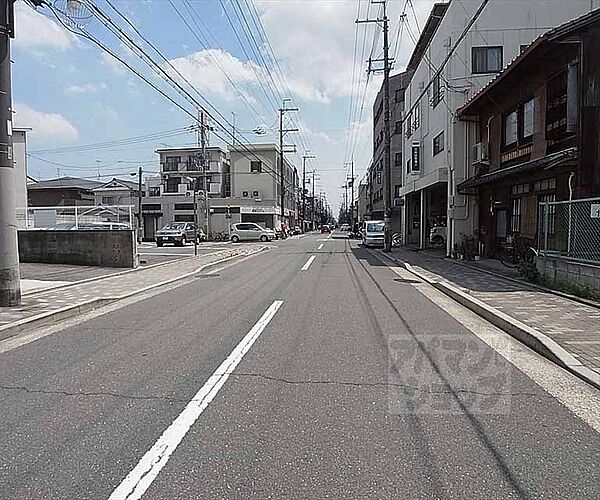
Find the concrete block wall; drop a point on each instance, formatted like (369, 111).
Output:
(82, 248)
(561, 270)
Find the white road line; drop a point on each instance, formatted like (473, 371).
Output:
(308, 263)
(321, 246)
(144, 473)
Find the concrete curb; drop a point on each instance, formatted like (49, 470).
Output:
(121, 273)
(52, 317)
(529, 336)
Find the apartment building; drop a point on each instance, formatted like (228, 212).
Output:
(170, 193)
(256, 186)
(242, 183)
(436, 143)
(374, 208)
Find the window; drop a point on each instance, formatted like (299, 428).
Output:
(398, 159)
(519, 189)
(154, 191)
(545, 185)
(256, 166)
(510, 129)
(398, 129)
(172, 184)
(487, 59)
(408, 126)
(172, 163)
(108, 200)
(184, 206)
(437, 90)
(438, 143)
(528, 119)
(516, 215)
(245, 194)
(416, 117)
(151, 207)
(556, 107)
(550, 210)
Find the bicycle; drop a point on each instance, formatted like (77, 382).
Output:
(515, 253)
(220, 237)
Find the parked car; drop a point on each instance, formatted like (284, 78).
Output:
(345, 227)
(250, 231)
(296, 230)
(373, 233)
(178, 233)
(437, 236)
(325, 228)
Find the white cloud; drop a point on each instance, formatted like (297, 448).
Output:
(203, 70)
(84, 88)
(319, 57)
(103, 113)
(34, 31)
(46, 126)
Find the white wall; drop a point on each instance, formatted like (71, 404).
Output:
(20, 172)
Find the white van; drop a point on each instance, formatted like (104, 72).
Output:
(373, 233)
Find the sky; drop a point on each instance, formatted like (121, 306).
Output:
(74, 94)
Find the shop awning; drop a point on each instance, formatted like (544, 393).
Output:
(547, 162)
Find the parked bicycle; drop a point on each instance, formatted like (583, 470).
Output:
(516, 252)
(220, 236)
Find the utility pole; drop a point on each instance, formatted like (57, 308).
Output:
(387, 178)
(140, 220)
(313, 200)
(10, 285)
(201, 141)
(304, 158)
(282, 132)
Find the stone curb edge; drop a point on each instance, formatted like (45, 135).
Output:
(529, 336)
(53, 317)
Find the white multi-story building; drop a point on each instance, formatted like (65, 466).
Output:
(243, 185)
(435, 152)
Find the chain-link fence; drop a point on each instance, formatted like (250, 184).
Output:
(570, 229)
(67, 218)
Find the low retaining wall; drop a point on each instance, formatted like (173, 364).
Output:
(82, 248)
(563, 270)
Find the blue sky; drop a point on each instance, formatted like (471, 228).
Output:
(72, 93)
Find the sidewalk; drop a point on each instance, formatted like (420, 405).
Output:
(46, 303)
(574, 326)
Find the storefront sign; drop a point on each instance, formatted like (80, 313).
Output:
(258, 210)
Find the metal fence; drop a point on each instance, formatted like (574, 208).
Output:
(570, 229)
(66, 218)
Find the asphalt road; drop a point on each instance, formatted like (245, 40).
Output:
(347, 382)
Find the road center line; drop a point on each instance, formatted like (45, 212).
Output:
(308, 263)
(321, 246)
(144, 473)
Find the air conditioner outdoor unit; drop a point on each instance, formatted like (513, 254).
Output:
(480, 152)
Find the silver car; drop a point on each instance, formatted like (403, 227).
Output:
(178, 233)
(250, 231)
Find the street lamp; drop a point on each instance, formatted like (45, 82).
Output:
(139, 214)
(193, 181)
